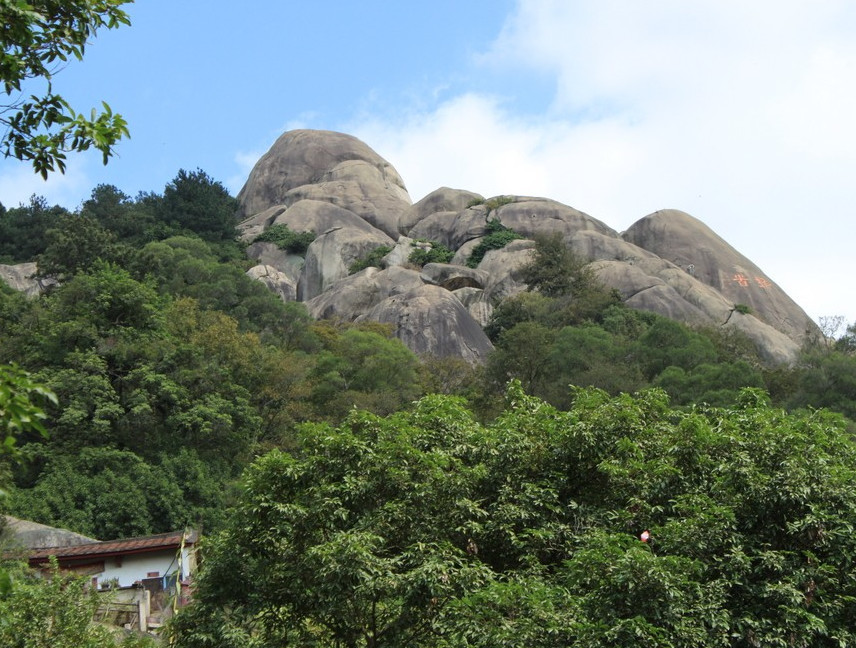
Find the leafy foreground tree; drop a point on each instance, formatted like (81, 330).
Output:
(39, 37)
(426, 528)
(57, 612)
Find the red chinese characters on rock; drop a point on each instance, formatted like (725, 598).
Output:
(743, 281)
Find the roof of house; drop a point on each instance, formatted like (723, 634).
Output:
(110, 548)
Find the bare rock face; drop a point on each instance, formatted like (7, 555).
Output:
(278, 282)
(646, 291)
(452, 229)
(589, 244)
(503, 267)
(452, 277)
(354, 201)
(21, 277)
(431, 320)
(692, 246)
(533, 216)
(330, 167)
(350, 297)
(476, 304)
(528, 217)
(318, 216)
(404, 247)
(443, 199)
(661, 287)
(775, 347)
(269, 254)
(258, 223)
(331, 254)
(23, 534)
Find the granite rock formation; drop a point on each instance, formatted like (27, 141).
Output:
(354, 201)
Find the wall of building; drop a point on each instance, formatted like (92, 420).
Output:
(136, 567)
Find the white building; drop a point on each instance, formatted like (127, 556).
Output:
(158, 567)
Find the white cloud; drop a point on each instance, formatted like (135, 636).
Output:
(18, 183)
(739, 113)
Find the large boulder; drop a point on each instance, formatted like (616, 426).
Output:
(330, 256)
(431, 320)
(443, 199)
(692, 246)
(503, 267)
(531, 217)
(318, 216)
(256, 224)
(476, 303)
(278, 282)
(775, 347)
(596, 246)
(352, 296)
(661, 287)
(330, 167)
(452, 228)
(453, 277)
(644, 290)
(270, 254)
(404, 247)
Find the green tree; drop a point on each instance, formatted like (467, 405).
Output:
(285, 239)
(828, 380)
(523, 307)
(589, 356)
(108, 493)
(21, 401)
(711, 383)
(426, 528)
(76, 244)
(39, 37)
(187, 267)
(363, 367)
(521, 353)
(668, 343)
(373, 259)
(195, 202)
(436, 253)
(104, 493)
(556, 271)
(57, 612)
(369, 556)
(23, 230)
(132, 222)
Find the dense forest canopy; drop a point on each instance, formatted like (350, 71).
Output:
(622, 521)
(478, 516)
(173, 369)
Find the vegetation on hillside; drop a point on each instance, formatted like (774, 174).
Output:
(622, 521)
(496, 237)
(187, 393)
(285, 239)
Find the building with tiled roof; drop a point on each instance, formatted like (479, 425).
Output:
(153, 573)
(127, 562)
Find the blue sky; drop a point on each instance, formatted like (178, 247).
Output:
(739, 113)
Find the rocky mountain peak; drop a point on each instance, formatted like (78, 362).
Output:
(355, 202)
